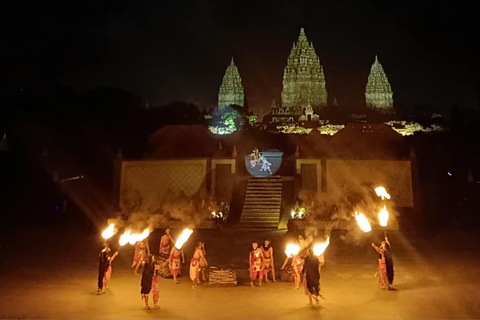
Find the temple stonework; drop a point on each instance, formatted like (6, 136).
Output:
(378, 94)
(303, 82)
(231, 90)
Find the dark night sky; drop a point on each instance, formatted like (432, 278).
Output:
(178, 50)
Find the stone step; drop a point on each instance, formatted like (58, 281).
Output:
(257, 219)
(262, 214)
(264, 196)
(263, 191)
(259, 226)
(254, 220)
(274, 202)
(261, 210)
(261, 206)
(264, 184)
(255, 188)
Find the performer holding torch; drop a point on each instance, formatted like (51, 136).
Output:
(385, 264)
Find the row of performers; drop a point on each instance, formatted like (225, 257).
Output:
(151, 269)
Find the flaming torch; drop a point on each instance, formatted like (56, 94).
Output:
(363, 222)
(293, 214)
(383, 217)
(381, 192)
(183, 238)
(319, 248)
(292, 249)
(132, 238)
(109, 232)
(124, 239)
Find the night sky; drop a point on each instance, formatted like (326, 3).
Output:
(179, 50)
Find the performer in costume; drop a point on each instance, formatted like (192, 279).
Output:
(176, 259)
(155, 291)
(297, 266)
(103, 260)
(195, 264)
(257, 264)
(203, 263)
(142, 250)
(108, 273)
(166, 243)
(267, 251)
(385, 274)
(147, 279)
(311, 275)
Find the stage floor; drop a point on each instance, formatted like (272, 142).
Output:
(49, 273)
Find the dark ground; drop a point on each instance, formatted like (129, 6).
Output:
(51, 273)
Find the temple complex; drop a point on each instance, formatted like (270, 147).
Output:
(378, 94)
(231, 90)
(303, 84)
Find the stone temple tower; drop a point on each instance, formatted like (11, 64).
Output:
(303, 78)
(378, 94)
(231, 90)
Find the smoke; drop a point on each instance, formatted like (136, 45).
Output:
(138, 214)
(335, 211)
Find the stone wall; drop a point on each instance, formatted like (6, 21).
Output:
(152, 179)
(394, 175)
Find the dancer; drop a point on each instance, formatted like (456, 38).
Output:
(176, 263)
(385, 277)
(147, 279)
(155, 291)
(166, 243)
(267, 251)
(257, 264)
(103, 260)
(195, 264)
(203, 263)
(142, 250)
(108, 273)
(297, 266)
(311, 275)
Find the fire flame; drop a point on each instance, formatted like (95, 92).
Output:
(125, 238)
(363, 222)
(319, 248)
(214, 214)
(381, 192)
(132, 238)
(183, 238)
(383, 216)
(293, 214)
(292, 249)
(109, 232)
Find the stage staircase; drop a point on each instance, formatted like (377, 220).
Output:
(262, 205)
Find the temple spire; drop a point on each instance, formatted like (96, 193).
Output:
(378, 93)
(231, 90)
(303, 78)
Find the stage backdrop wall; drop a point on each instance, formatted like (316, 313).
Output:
(334, 174)
(152, 179)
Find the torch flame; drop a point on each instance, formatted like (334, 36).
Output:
(363, 222)
(132, 238)
(183, 238)
(214, 214)
(293, 214)
(319, 248)
(381, 192)
(383, 216)
(109, 232)
(125, 238)
(292, 249)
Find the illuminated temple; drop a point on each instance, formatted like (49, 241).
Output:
(378, 94)
(304, 91)
(231, 90)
